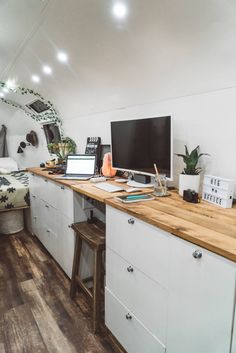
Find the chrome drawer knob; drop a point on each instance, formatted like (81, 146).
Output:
(130, 269)
(128, 316)
(46, 206)
(131, 221)
(197, 254)
(33, 196)
(63, 187)
(45, 180)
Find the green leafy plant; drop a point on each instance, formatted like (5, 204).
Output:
(53, 148)
(71, 144)
(191, 160)
(63, 147)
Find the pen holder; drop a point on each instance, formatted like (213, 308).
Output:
(160, 188)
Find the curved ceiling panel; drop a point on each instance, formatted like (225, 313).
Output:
(17, 21)
(163, 49)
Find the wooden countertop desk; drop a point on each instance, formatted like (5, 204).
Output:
(86, 187)
(206, 225)
(89, 189)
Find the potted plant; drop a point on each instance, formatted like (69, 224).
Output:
(62, 148)
(190, 177)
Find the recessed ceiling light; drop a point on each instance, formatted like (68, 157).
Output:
(47, 70)
(11, 84)
(120, 10)
(35, 78)
(62, 57)
(2, 95)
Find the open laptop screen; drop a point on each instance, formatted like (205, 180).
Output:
(80, 164)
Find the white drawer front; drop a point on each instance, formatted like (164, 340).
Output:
(201, 300)
(36, 184)
(56, 195)
(143, 296)
(48, 234)
(41, 187)
(132, 335)
(62, 199)
(66, 241)
(140, 243)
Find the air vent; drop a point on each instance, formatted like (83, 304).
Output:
(38, 106)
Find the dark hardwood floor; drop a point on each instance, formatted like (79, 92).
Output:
(36, 312)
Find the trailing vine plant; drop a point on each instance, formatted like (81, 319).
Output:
(49, 115)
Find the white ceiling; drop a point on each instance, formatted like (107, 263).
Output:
(163, 49)
(18, 21)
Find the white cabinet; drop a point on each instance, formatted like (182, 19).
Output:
(180, 297)
(52, 213)
(201, 300)
(134, 337)
(140, 243)
(137, 265)
(139, 293)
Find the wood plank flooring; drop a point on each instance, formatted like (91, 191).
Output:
(36, 312)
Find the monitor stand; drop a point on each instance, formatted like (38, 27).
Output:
(135, 184)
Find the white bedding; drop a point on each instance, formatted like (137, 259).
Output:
(14, 190)
(7, 165)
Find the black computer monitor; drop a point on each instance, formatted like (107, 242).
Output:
(138, 144)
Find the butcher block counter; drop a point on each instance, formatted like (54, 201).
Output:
(206, 225)
(203, 224)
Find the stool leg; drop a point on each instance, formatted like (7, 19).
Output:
(76, 263)
(97, 289)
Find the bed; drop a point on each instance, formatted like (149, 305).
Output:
(14, 190)
(14, 196)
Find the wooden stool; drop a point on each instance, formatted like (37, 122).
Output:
(93, 234)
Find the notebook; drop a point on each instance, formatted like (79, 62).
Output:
(79, 167)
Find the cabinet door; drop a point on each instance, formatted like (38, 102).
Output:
(62, 199)
(201, 300)
(143, 296)
(139, 243)
(65, 244)
(129, 331)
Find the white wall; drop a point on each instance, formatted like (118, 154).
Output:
(18, 125)
(207, 120)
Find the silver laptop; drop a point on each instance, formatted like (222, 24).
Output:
(79, 167)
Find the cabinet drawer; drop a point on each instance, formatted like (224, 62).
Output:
(65, 245)
(62, 199)
(36, 184)
(139, 243)
(54, 194)
(132, 335)
(143, 296)
(41, 187)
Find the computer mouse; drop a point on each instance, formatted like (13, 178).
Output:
(133, 190)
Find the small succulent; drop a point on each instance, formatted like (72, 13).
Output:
(191, 160)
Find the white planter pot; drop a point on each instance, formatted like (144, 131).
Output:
(186, 182)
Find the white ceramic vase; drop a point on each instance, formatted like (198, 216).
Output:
(186, 182)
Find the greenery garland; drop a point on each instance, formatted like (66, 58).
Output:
(49, 115)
